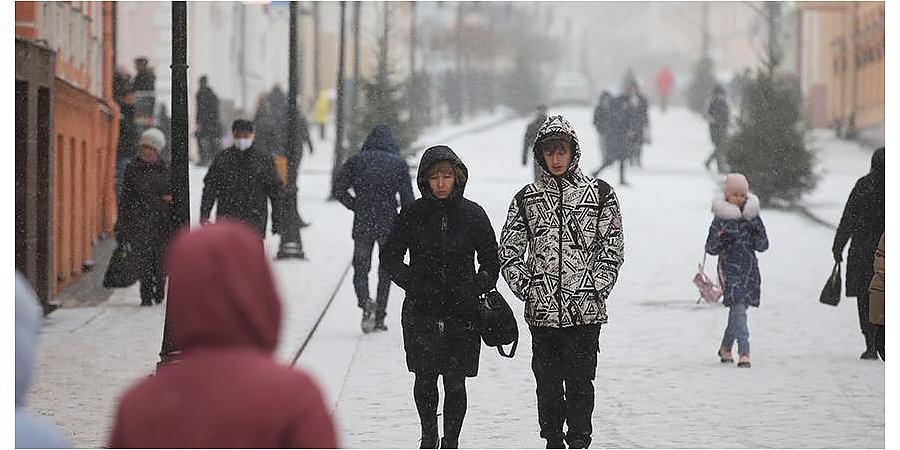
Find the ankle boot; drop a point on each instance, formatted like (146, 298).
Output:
(429, 437)
(870, 352)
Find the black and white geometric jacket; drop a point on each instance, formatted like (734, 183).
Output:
(571, 227)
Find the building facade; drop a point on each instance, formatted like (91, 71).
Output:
(842, 67)
(65, 149)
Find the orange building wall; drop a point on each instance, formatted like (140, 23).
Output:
(85, 137)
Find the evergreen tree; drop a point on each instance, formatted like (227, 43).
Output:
(701, 86)
(383, 102)
(769, 146)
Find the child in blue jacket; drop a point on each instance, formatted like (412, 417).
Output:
(736, 234)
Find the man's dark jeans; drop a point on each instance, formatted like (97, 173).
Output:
(362, 264)
(564, 362)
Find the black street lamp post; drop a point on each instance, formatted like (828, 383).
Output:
(181, 205)
(339, 114)
(291, 245)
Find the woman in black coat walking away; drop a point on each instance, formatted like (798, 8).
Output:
(144, 217)
(862, 224)
(442, 231)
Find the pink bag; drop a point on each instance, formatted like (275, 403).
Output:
(709, 291)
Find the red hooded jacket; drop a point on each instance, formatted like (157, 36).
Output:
(227, 391)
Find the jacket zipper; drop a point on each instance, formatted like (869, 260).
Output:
(559, 286)
(444, 227)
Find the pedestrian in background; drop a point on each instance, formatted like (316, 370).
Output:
(227, 390)
(209, 126)
(321, 113)
(618, 142)
(736, 234)
(126, 148)
(531, 133)
(242, 181)
(443, 232)
(571, 226)
(862, 223)
(664, 82)
(639, 123)
(719, 116)
(32, 431)
(602, 113)
(144, 218)
(376, 174)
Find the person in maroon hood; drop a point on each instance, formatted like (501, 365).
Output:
(227, 390)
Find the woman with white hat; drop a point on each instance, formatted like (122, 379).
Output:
(144, 220)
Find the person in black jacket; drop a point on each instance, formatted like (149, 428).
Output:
(242, 180)
(718, 116)
(601, 122)
(144, 216)
(531, 133)
(639, 123)
(209, 127)
(376, 174)
(862, 223)
(618, 142)
(126, 148)
(442, 231)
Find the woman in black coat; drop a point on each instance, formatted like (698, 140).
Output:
(442, 231)
(144, 218)
(862, 224)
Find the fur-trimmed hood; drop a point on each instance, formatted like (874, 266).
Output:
(727, 211)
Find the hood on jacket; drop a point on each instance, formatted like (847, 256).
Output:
(221, 292)
(381, 138)
(28, 323)
(557, 125)
(878, 161)
(433, 155)
(729, 211)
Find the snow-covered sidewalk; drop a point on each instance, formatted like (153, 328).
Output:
(659, 383)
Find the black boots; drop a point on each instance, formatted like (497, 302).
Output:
(555, 443)
(449, 443)
(870, 352)
(429, 436)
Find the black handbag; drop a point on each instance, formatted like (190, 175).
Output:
(498, 324)
(831, 293)
(123, 267)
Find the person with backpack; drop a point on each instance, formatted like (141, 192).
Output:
(736, 234)
(443, 231)
(571, 226)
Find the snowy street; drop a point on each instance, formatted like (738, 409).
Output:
(659, 382)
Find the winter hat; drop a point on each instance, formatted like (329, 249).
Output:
(153, 137)
(736, 183)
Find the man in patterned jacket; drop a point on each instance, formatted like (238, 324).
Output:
(571, 227)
